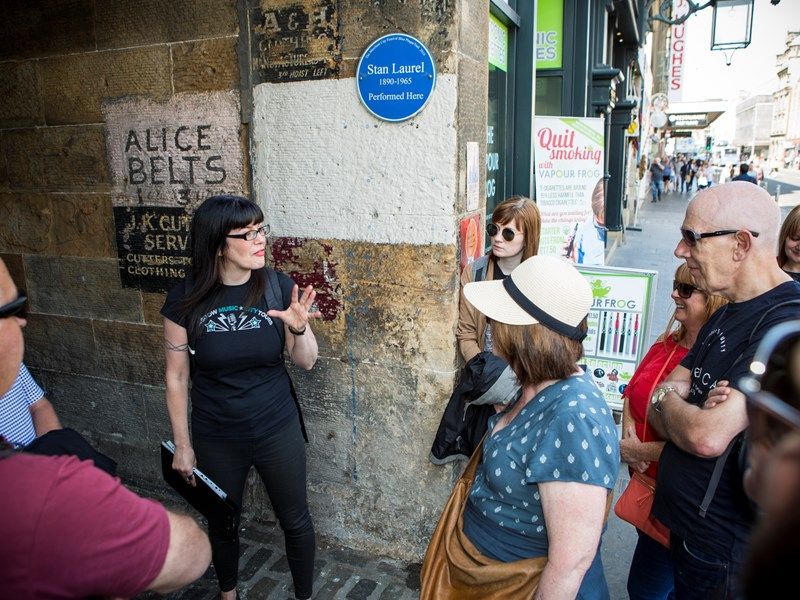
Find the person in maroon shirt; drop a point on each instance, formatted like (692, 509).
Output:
(650, 573)
(69, 529)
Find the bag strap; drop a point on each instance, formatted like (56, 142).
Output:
(716, 475)
(472, 466)
(273, 296)
(719, 465)
(479, 268)
(656, 381)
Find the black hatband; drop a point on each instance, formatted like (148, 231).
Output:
(573, 333)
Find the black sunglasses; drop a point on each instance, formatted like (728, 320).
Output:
(251, 234)
(685, 290)
(692, 237)
(508, 233)
(15, 308)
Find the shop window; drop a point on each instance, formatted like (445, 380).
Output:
(497, 150)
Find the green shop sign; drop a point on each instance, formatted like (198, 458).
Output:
(549, 34)
(498, 44)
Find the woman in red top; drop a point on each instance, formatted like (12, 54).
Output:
(650, 575)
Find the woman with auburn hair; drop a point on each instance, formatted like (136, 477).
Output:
(531, 523)
(226, 326)
(789, 244)
(514, 235)
(650, 575)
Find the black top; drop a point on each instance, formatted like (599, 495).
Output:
(722, 351)
(240, 387)
(795, 276)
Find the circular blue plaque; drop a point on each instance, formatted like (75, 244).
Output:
(395, 77)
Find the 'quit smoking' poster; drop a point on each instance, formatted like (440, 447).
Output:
(570, 188)
(619, 326)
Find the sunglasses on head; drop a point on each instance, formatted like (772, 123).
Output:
(685, 290)
(508, 233)
(15, 308)
(772, 408)
(691, 238)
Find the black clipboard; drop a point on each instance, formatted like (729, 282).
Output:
(206, 497)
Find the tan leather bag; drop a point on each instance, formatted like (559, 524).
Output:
(454, 569)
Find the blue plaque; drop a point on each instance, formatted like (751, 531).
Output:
(395, 77)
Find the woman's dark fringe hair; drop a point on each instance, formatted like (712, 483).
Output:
(536, 353)
(213, 220)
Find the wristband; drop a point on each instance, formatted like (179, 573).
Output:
(294, 331)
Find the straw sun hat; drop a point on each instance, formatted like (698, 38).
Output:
(542, 289)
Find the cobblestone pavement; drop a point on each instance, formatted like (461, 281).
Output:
(340, 573)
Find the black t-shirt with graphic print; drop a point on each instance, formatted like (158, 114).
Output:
(240, 388)
(722, 351)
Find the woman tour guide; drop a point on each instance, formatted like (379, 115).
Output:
(219, 328)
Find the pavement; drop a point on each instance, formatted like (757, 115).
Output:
(349, 574)
(339, 573)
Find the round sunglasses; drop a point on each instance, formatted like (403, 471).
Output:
(685, 290)
(508, 233)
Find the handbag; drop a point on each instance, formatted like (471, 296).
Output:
(454, 569)
(635, 504)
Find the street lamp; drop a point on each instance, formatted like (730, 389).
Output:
(732, 24)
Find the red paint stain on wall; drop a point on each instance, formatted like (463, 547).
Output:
(321, 275)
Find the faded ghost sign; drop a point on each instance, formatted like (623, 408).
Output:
(153, 245)
(295, 40)
(166, 158)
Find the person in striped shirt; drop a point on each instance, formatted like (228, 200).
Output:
(25, 413)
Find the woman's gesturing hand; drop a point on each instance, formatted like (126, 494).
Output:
(184, 461)
(299, 311)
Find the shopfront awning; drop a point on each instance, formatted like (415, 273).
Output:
(694, 115)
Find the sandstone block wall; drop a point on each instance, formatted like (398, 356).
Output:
(364, 210)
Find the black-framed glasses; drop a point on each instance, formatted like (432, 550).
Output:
(508, 233)
(251, 234)
(692, 237)
(15, 308)
(771, 376)
(685, 290)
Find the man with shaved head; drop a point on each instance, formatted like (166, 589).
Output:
(69, 530)
(728, 240)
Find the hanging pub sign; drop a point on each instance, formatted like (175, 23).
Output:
(395, 77)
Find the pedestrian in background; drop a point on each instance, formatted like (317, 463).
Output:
(668, 174)
(789, 244)
(244, 410)
(728, 240)
(657, 179)
(650, 576)
(744, 174)
(680, 169)
(704, 176)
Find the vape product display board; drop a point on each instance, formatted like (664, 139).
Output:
(619, 326)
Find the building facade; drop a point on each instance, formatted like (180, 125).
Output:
(118, 118)
(753, 126)
(785, 128)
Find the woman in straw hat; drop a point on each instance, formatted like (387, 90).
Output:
(540, 495)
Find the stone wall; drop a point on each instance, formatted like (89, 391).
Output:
(366, 211)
